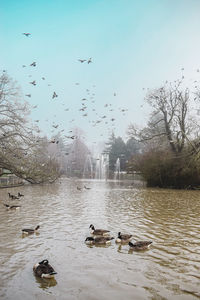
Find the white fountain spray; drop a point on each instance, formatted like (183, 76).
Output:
(117, 170)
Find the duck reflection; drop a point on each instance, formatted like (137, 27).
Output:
(45, 283)
(23, 235)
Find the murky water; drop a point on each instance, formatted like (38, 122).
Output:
(168, 270)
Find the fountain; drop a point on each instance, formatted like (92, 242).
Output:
(117, 170)
(102, 164)
(88, 167)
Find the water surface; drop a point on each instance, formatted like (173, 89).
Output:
(168, 270)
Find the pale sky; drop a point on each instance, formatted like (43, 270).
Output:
(133, 45)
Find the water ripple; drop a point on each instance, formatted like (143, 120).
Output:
(169, 269)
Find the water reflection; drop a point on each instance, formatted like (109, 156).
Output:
(44, 283)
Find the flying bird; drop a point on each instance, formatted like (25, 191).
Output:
(54, 95)
(26, 34)
(33, 82)
(82, 60)
(33, 64)
(28, 95)
(52, 141)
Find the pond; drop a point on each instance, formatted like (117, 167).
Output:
(168, 270)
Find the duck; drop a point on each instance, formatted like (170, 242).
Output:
(123, 238)
(87, 188)
(101, 240)
(98, 231)
(13, 197)
(30, 231)
(20, 195)
(140, 245)
(44, 270)
(12, 206)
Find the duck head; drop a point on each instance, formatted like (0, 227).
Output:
(44, 262)
(91, 228)
(89, 240)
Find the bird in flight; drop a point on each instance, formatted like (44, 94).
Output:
(33, 64)
(33, 82)
(82, 60)
(55, 126)
(26, 34)
(89, 60)
(54, 95)
(43, 78)
(28, 95)
(52, 141)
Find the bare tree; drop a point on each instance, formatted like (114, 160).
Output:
(170, 121)
(22, 151)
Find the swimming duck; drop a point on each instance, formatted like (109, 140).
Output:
(30, 231)
(140, 245)
(43, 269)
(98, 231)
(101, 240)
(87, 188)
(123, 238)
(13, 197)
(20, 195)
(12, 206)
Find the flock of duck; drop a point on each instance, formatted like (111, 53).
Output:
(98, 237)
(102, 237)
(43, 269)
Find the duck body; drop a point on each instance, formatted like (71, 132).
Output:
(123, 238)
(12, 206)
(98, 231)
(101, 240)
(140, 245)
(30, 231)
(43, 269)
